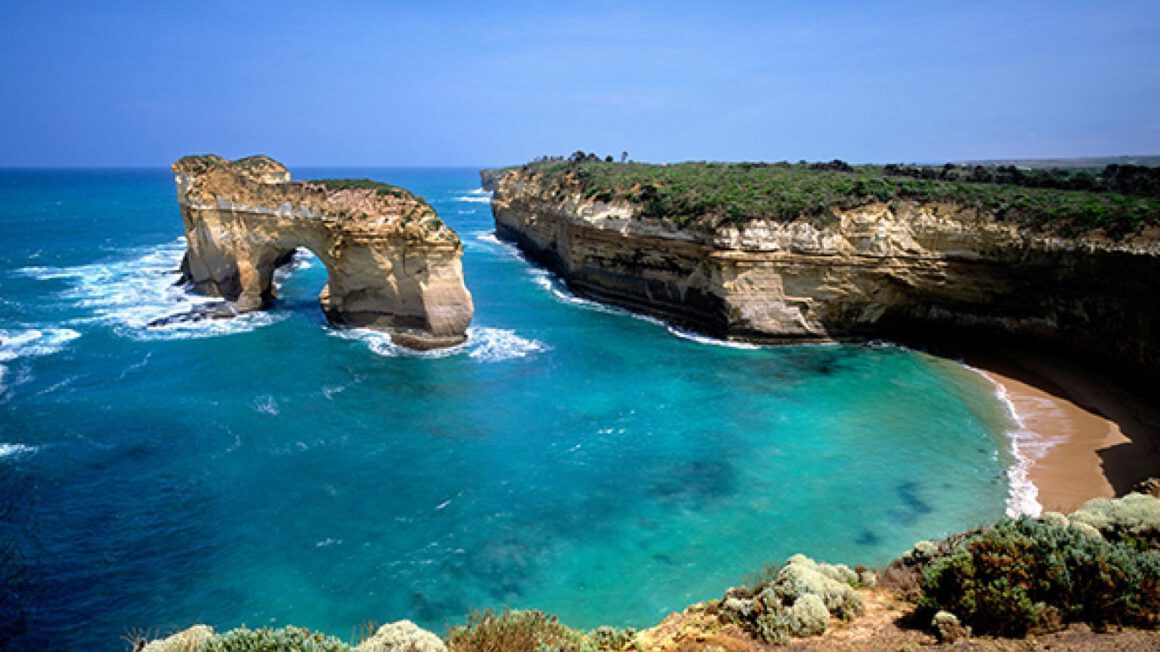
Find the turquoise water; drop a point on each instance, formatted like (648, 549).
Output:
(276, 470)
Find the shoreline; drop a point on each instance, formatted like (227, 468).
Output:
(1076, 435)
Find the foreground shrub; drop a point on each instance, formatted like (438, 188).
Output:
(1134, 519)
(201, 638)
(530, 631)
(401, 636)
(1022, 576)
(796, 600)
(265, 639)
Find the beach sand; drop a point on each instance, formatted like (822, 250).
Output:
(1086, 435)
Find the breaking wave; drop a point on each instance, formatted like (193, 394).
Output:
(31, 342)
(477, 196)
(139, 297)
(483, 344)
(1026, 447)
(15, 451)
(552, 284)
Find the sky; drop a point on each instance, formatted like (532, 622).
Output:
(354, 83)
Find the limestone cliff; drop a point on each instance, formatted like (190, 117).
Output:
(393, 264)
(489, 179)
(877, 269)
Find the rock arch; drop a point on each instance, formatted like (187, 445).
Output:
(392, 264)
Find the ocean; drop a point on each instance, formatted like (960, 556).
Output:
(571, 457)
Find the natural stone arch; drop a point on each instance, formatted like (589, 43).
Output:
(391, 262)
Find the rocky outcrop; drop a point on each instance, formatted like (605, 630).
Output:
(489, 179)
(393, 264)
(896, 269)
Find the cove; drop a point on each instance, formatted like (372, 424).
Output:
(275, 469)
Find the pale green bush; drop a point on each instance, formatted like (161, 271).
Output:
(1135, 518)
(402, 636)
(833, 583)
(286, 639)
(808, 616)
(797, 599)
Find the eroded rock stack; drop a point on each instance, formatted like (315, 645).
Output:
(393, 264)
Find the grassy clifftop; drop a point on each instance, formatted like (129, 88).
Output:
(1120, 200)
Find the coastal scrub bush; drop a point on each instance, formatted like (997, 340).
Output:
(265, 639)
(1134, 519)
(1025, 575)
(530, 631)
(365, 184)
(796, 600)
(716, 194)
(401, 636)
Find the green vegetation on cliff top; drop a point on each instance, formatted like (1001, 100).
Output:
(383, 189)
(1119, 200)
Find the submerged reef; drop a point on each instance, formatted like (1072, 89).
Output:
(393, 264)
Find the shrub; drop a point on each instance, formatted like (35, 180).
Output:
(833, 583)
(187, 640)
(286, 639)
(1021, 576)
(715, 194)
(797, 599)
(530, 631)
(948, 628)
(808, 616)
(1135, 519)
(401, 636)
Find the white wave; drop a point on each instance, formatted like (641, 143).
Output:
(497, 344)
(303, 259)
(1026, 448)
(34, 342)
(490, 239)
(15, 450)
(709, 341)
(483, 344)
(474, 199)
(266, 405)
(552, 284)
(139, 298)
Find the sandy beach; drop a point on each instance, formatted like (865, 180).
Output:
(1084, 435)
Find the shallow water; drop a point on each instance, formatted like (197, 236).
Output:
(570, 457)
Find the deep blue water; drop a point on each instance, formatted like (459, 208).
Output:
(276, 470)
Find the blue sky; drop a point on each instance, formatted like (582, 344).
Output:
(483, 83)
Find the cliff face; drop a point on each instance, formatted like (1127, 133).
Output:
(392, 264)
(879, 269)
(489, 179)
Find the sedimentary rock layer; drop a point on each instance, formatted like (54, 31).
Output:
(393, 264)
(901, 268)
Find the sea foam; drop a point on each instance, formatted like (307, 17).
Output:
(30, 342)
(15, 451)
(139, 298)
(20, 343)
(1026, 448)
(483, 344)
(477, 196)
(555, 286)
